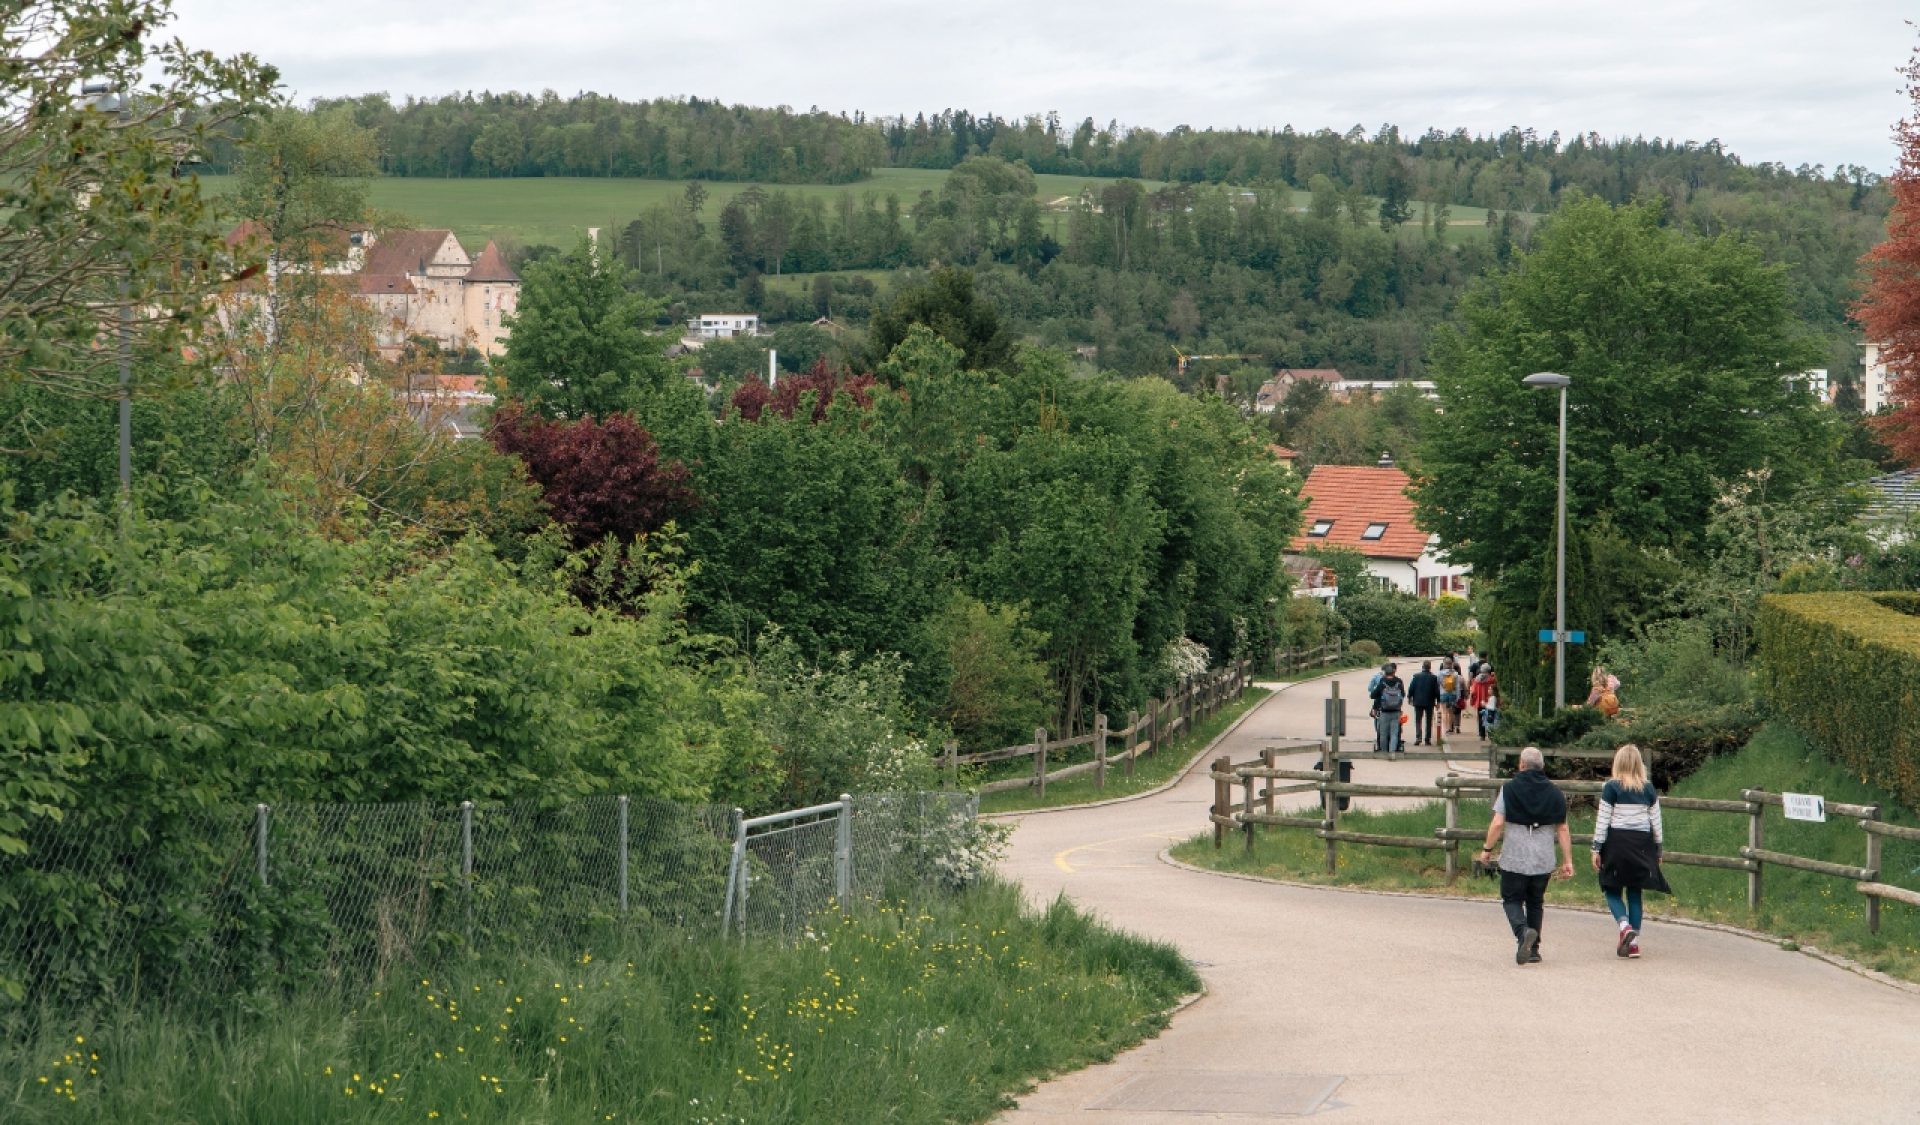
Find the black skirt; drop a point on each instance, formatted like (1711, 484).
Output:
(1629, 858)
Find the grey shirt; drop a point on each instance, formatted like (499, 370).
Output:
(1525, 849)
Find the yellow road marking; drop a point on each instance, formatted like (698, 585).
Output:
(1060, 858)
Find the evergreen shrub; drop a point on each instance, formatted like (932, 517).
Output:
(1844, 668)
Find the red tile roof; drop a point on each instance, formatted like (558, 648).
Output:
(491, 265)
(403, 251)
(373, 284)
(1353, 497)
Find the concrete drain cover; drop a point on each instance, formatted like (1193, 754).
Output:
(1212, 1091)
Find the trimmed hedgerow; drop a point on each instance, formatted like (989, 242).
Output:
(1845, 669)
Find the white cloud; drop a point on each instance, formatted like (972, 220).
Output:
(1772, 79)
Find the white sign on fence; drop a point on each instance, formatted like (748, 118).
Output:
(1804, 806)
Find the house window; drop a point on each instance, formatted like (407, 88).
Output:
(1374, 531)
(1320, 528)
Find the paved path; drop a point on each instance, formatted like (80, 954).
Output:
(1367, 1008)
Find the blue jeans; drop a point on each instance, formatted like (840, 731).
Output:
(1625, 909)
(1386, 732)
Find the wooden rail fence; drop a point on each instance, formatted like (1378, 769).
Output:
(1298, 659)
(1240, 804)
(1145, 732)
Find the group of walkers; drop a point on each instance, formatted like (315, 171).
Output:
(1463, 683)
(1530, 824)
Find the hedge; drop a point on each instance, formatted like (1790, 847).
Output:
(1844, 668)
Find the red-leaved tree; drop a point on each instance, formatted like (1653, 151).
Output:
(599, 478)
(1889, 309)
(754, 397)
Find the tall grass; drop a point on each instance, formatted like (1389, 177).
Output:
(1798, 906)
(894, 1012)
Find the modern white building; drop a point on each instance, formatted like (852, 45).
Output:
(719, 326)
(1876, 380)
(1816, 383)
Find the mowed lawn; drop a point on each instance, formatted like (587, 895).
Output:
(558, 210)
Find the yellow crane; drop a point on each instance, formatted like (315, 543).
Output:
(1182, 358)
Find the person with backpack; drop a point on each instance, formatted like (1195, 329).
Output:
(1389, 695)
(1423, 692)
(1529, 825)
(1452, 687)
(1484, 698)
(1627, 839)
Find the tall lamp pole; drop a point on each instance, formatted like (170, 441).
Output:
(106, 99)
(1550, 379)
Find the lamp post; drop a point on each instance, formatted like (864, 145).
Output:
(1550, 379)
(106, 99)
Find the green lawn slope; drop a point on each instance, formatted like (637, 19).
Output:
(1799, 907)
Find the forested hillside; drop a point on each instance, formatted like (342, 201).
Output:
(1230, 258)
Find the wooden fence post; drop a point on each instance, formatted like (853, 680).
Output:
(952, 749)
(1493, 758)
(1040, 759)
(1100, 751)
(1755, 836)
(1329, 800)
(1873, 865)
(1222, 799)
(1133, 739)
(1246, 786)
(1267, 757)
(1453, 822)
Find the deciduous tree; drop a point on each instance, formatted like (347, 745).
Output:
(580, 343)
(1889, 309)
(97, 227)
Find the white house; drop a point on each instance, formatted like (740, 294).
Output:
(1367, 509)
(718, 326)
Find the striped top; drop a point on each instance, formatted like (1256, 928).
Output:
(1624, 808)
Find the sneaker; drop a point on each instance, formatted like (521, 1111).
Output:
(1627, 934)
(1528, 947)
(1633, 949)
(1534, 957)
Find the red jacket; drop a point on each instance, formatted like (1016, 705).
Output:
(1484, 685)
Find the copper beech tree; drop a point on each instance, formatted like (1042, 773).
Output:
(1889, 310)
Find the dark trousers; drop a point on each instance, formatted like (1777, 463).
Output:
(1524, 898)
(1423, 724)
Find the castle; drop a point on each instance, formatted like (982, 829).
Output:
(422, 283)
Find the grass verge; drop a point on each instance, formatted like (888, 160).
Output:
(1797, 906)
(894, 1013)
(1150, 772)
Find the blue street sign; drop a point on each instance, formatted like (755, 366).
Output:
(1572, 636)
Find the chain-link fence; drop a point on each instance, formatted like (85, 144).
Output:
(220, 902)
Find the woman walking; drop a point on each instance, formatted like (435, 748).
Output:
(1627, 838)
(1484, 697)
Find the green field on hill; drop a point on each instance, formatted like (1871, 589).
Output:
(558, 210)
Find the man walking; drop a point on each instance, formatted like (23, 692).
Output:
(1423, 692)
(1530, 819)
(1389, 695)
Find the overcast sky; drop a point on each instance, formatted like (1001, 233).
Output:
(1796, 81)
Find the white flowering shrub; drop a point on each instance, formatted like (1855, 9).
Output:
(1185, 658)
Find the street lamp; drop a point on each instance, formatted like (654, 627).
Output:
(1550, 379)
(104, 98)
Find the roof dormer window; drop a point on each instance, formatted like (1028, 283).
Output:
(1320, 528)
(1374, 531)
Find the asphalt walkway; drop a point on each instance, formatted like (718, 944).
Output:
(1372, 1008)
